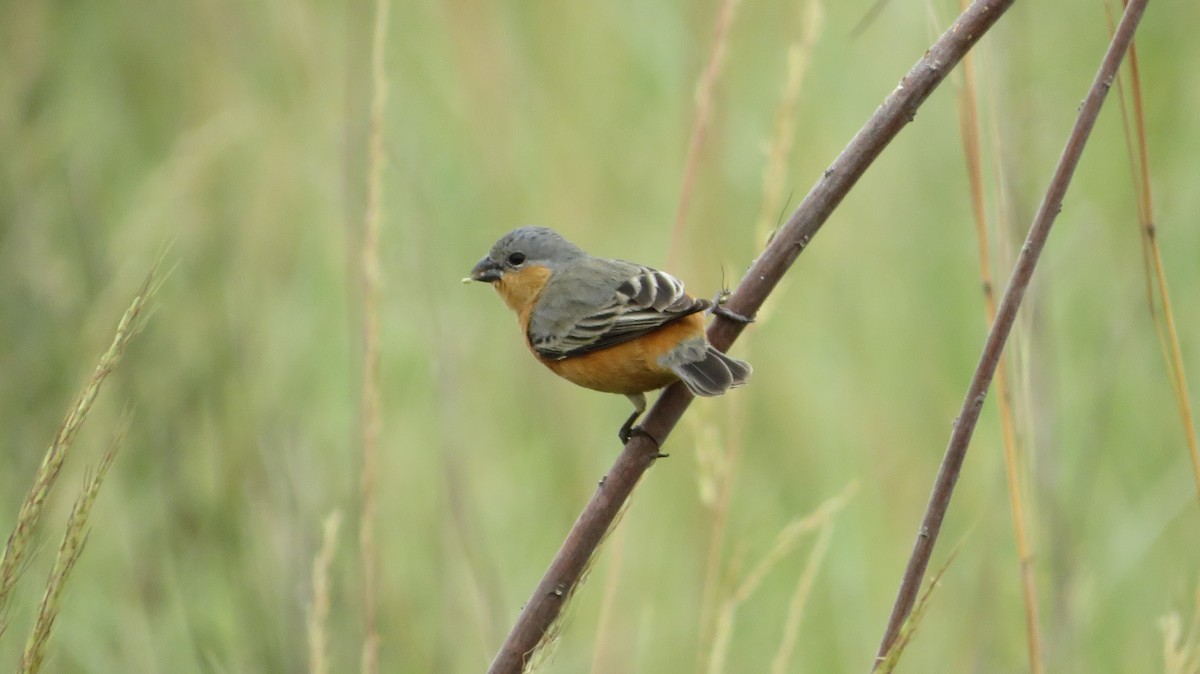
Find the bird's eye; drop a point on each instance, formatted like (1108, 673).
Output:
(516, 259)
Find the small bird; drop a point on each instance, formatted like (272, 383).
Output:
(607, 325)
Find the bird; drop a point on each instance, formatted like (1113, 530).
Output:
(604, 324)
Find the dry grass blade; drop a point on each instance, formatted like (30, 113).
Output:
(68, 554)
(888, 662)
(1135, 172)
(371, 404)
(612, 579)
(540, 656)
(791, 626)
(1156, 277)
(318, 614)
(782, 137)
(717, 472)
(31, 508)
(785, 542)
(704, 98)
(969, 125)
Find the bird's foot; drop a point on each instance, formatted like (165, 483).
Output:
(719, 309)
(626, 430)
(638, 431)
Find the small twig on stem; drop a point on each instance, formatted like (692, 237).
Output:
(897, 110)
(964, 425)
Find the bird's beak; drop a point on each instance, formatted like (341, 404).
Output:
(487, 271)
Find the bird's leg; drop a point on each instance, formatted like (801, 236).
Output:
(628, 430)
(718, 309)
(639, 406)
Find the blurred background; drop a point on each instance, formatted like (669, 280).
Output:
(237, 134)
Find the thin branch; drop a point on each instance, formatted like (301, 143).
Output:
(964, 426)
(897, 110)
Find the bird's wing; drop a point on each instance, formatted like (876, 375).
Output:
(645, 300)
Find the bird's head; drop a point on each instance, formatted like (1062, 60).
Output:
(521, 248)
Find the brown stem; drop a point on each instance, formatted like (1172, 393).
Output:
(897, 110)
(964, 426)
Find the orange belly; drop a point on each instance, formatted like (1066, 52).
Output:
(631, 367)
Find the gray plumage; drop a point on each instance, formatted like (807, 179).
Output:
(603, 304)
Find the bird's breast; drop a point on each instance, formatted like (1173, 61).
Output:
(520, 289)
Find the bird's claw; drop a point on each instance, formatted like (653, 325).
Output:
(626, 434)
(719, 309)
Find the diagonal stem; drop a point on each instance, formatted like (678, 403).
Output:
(964, 426)
(896, 111)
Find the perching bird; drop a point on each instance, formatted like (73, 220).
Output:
(607, 325)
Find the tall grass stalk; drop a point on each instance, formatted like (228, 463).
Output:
(17, 547)
(969, 125)
(703, 112)
(318, 613)
(371, 402)
(612, 579)
(719, 460)
(1156, 277)
(716, 473)
(779, 150)
(1135, 178)
(804, 585)
(722, 471)
(68, 554)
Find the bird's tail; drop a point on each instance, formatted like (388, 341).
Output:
(711, 374)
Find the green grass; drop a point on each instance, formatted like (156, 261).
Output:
(239, 131)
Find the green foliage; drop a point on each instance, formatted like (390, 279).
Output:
(238, 131)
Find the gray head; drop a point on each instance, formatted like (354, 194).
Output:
(522, 247)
